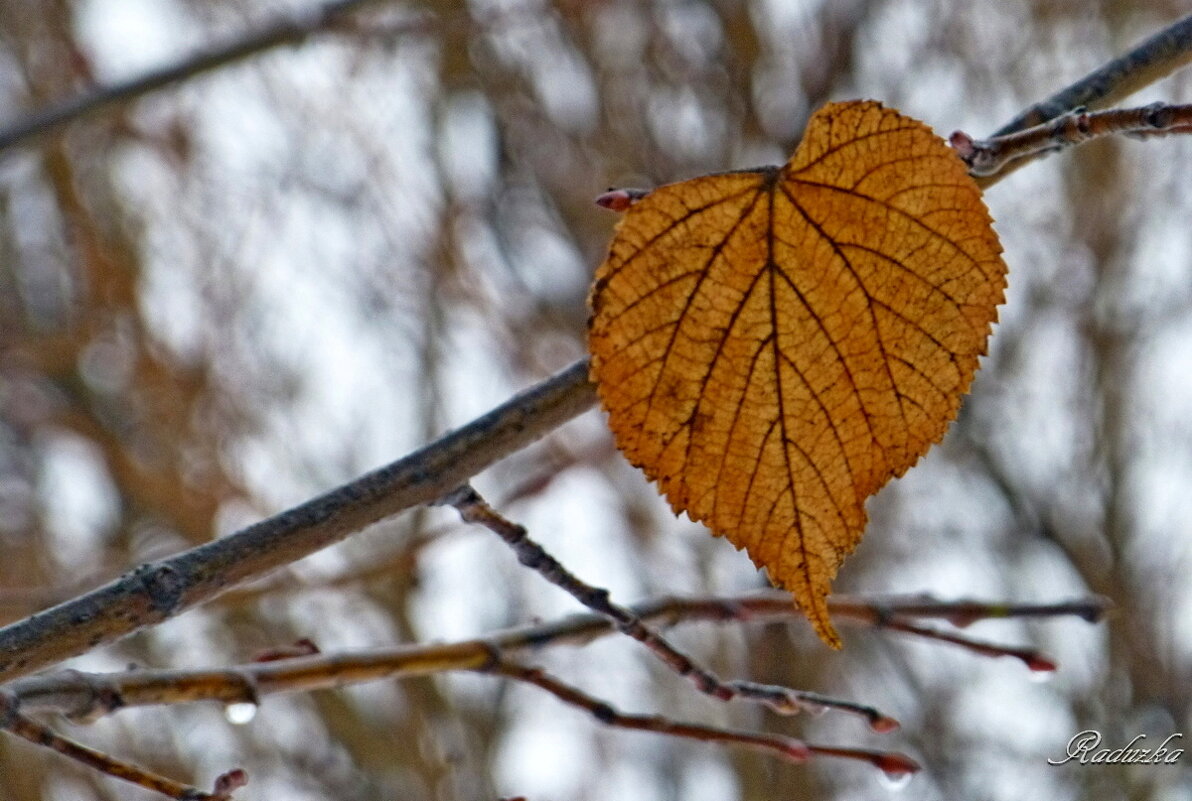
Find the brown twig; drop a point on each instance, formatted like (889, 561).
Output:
(88, 696)
(85, 696)
(963, 612)
(1035, 660)
(474, 509)
(986, 157)
(787, 748)
(13, 721)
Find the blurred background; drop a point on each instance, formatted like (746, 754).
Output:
(257, 283)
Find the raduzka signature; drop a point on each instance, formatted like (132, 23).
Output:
(1085, 748)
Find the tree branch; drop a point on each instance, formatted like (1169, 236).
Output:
(1150, 61)
(474, 509)
(160, 590)
(797, 751)
(86, 696)
(988, 156)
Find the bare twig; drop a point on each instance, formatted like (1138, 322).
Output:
(85, 696)
(13, 721)
(163, 589)
(787, 748)
(398, 562)
(1034, 659)
(988, 156)
(474, 509)
(963, 612)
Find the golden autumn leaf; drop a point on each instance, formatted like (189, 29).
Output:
(774, 345)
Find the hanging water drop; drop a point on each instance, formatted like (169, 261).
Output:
(1041, 676)
(895, 780)
(240, 714)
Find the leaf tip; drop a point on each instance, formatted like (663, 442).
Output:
(821, 622)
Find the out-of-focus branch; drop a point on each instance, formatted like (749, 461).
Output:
(160, 590)
(1150, 61)
(988, 156)
(291, 30)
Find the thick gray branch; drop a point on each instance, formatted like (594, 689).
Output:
(160, 590)
(1150, 61)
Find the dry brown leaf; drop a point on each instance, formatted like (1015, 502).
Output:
(773, 345)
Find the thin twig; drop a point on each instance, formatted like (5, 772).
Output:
(85, 696)
(13, 721)
(988, 156)
(160, 590)
(770, 605)
(963, 612)
(397, 562)
(249, 683)
(788, 748)
(88, 696)
(474, 509)
(1035, 660)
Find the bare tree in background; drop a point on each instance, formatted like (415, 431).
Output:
(264, 278)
